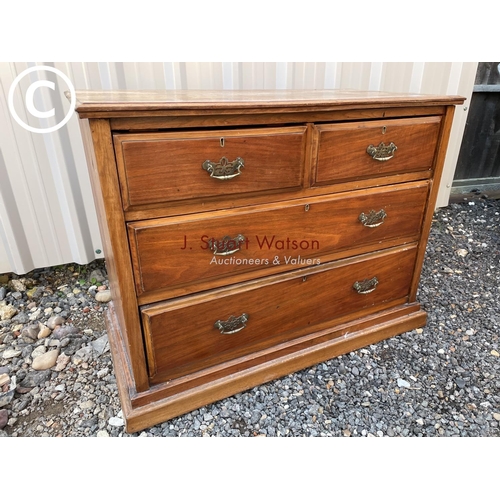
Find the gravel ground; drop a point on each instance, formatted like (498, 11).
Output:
(442, 380)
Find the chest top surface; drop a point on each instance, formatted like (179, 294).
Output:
(95, 103)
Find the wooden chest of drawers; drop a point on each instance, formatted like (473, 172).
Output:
(251, 234)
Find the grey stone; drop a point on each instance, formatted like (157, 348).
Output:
(102, 373)
(65, 331)
(6, 397)
(38, 351)
(30, 332)
(403, 383)
(27, 351)
(116, 422)
(91, 422)
(3, 292)
(11, 353)
(54, 321)
(35, 315)
(4, 418)
(20, 405)
(101, 345)
(460, 382)
(64, 342)
(96, 276)
(72, 345)
(83, 354)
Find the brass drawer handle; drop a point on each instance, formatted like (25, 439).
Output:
(381, 152)
(366, 286)
(372, 219)
(227, 245)
(224, 169)
(232, 324)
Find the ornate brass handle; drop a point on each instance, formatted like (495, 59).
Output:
(372, 219)
(381, 152)
(224, 169)
(232, 324)
(227, 245)
(366, 286)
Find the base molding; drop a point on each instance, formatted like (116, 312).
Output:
(145, 409)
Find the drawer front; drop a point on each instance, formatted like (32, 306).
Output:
(165, 167)
(359, 150)
(177, 252)
(187, 335)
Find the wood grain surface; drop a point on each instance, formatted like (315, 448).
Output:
(95, 102)
(342, 151)
(175, 254)
(182, 339)
(156, 168)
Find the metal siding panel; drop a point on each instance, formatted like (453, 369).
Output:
(375, 82)
(227, 75)
(281, 75)
(417, 75)
(464, 87)
(333, 75)
(23, 154)
(435, 78)
(356, 76)
(5, 265)
(47, 214)
(12, 234)
(269, 75)
(396, 77)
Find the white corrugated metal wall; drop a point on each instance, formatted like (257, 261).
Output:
(47, 214)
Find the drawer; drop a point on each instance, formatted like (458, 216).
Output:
(165, 167)
(190, 253)
(349, 151)
(186, 335)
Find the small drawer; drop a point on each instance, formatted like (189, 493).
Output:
(186, 254)
(184, 336)
(165, 167)
(350, 151)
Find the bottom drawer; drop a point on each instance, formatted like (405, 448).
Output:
(186, 335)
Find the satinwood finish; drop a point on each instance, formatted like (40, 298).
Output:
(185, 332)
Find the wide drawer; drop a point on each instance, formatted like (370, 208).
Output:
(359, 150)
(184, 336)
(172, 166)
(185, 254)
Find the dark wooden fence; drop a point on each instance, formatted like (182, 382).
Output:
(479, 158)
